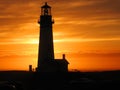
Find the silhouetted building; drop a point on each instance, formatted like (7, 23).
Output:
(46, 61)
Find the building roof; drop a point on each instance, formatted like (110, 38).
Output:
(45, 6)
(61, 61)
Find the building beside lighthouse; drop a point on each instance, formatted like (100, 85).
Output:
(46, 60)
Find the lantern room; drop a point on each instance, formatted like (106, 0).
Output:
(45, 10)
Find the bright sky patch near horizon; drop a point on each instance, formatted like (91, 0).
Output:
(87, 31)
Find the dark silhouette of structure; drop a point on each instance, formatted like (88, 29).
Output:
(30, 68)
(46, 61)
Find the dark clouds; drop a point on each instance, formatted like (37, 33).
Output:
(82, 9)
(89, 18)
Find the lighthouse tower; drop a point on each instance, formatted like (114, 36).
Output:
(46, 50)
(46, 61)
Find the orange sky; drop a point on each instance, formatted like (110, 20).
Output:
(87, 31)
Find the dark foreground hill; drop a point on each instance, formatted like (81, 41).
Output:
(23, 80)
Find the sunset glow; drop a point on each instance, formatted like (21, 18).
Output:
(87, 31)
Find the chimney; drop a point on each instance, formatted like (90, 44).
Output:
(63, 56)
(30, 68)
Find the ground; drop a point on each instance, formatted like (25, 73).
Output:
(23, 80)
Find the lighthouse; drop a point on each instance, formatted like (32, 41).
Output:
(46, 61)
